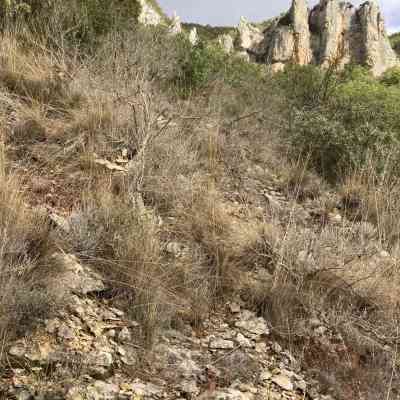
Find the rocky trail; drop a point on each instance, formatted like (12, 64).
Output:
(91, 350)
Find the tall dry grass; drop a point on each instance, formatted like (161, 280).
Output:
(24, 243)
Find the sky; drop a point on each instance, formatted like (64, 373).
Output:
(228, 12)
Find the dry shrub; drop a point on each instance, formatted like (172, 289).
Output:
(229, 245)
(341, 275)
(122, 237)
(297, 182)
(24, 242)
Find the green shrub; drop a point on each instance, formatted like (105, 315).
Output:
(209, 33)
(198, 66)
(340, 120)
(391, 77)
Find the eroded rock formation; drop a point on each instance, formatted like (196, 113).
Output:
(193, 36)
(334, 31)
(250, 37)
(148, 16)
(176, 25)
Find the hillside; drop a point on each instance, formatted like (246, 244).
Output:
(208, 32)
(179, 223)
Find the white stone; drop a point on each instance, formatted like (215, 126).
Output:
(283, 381)
(221, 344)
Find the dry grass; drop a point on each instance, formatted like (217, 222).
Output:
(186, 225)
(24, 242)
(341, 275)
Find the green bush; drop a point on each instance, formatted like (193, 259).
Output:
(395, 41)
(338, 120)
(391, 77)
(210, 33)
(199, 66)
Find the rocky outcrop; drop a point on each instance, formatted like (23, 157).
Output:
(331, 23)
(176, 25)
(148, 16)
(193, 36)
(377, 50)
(334, 31)
(250, 37)
(301, 32)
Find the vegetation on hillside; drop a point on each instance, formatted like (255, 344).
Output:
(209, 33)
(395, 40)
(176, 214)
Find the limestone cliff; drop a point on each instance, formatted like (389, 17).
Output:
(334, 31)
(149, 14)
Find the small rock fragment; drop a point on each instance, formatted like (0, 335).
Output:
(283, 381)
(266, 375)
(125, 335)
(235, 308)
(221, 344)
(243, 341)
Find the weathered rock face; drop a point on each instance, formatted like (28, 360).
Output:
(334, 31)
(250, 37)
(331, 22)
(226, 42)
(193, 36)
(301, 30)
(176, 25)
(280, 49)
(378, 52)
(148, 15)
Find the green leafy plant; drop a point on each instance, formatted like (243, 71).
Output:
(391, 77)
(338, 120)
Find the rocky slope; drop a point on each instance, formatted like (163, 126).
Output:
(332, 32)
(91, 350)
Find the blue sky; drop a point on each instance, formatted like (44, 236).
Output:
(228, 12)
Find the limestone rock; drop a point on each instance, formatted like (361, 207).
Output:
(229, 394)
(333, 32)
(72, 277)
(102, 391)
(148, 15)
(221, 344)
(193, 36)
(252, 325)
(226, 42)
(176, 25)
(289, 39)
(331, 21)
(283, 381)
(125, 335)
(281, 46)
(250, 37)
